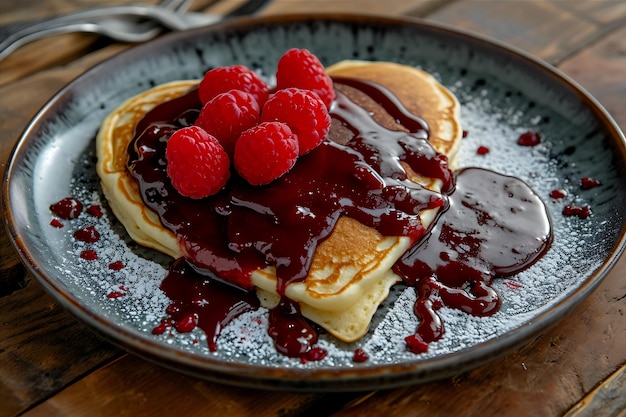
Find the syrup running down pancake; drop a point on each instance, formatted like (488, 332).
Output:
(418, 90)
(373, 205)
(350, 272)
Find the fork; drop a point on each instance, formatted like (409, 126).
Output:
(117, 22)
(121, 23)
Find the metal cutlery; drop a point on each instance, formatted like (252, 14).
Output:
(125, 23)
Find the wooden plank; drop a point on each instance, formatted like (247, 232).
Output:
(602, 70)
(605, 12)
(144, 389)
(509, 21)
(387, 7)
(607, 399)
(12, 11)
(42, 348)
(21, 99)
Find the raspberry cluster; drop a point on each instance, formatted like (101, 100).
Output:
(246, 126)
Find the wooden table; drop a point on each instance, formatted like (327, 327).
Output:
(52, 365)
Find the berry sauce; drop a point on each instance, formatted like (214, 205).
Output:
(495, 225)
(529, 139)
(87, 234)
(558, 194)
(67, 208)
(201, 301)
(588, 183)
(364, 176)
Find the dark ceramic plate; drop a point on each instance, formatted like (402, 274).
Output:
(503, 92)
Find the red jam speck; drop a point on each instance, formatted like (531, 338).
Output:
(314, 354)
(360, 356)
(529, 139)
(116, 266)
(56, 223)
(558, 194)
(465, 133)
(415, 343)
(67, 209)
(581, 212)
(88, 234)
(187, 323)
(95, 211)
(89, 255)
(514, 285)
(162, 327)
(482, 150)
(115, 294)
(587, 183)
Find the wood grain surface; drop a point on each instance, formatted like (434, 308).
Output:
(52, 365)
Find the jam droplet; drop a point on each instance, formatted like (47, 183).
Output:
(415, 344)
(88, 234)
(89, 255)
(360, 356)
(116, 266)
(56, 223)
(558, 194)
(95, 211)
(68, 208)
(314, 354)
(482, 150)
(514, 285)
(581, 212)
(115, 294)
(162, 327)
(587, 183)
(186, 323)
(529, 139)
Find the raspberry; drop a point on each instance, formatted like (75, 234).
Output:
(235, 77)
(303, 111)
(226, 115)
(197, 164)
(300, 68)
(265, 152)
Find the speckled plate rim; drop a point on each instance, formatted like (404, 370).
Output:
(317, 379)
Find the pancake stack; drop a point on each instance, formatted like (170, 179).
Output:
(350, 274)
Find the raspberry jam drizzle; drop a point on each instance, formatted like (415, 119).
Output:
(245, 228)
(200, 301)
(67, 208)
(495, 225)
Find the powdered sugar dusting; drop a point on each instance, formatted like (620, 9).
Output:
(139, 304)
(494, 115)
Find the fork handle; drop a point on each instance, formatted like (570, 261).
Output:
(18, 34)
(15, 35)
